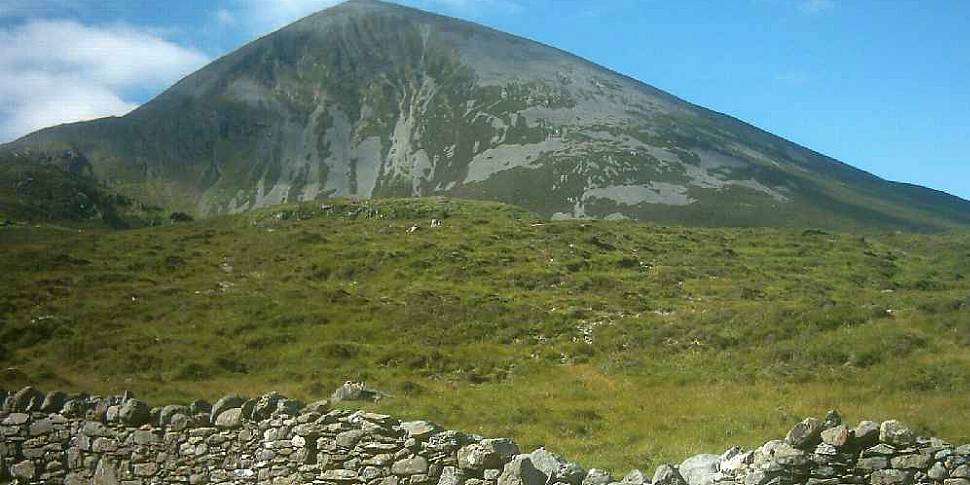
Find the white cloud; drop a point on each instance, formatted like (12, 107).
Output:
(817, 6)
(62, 71)
(264, 16)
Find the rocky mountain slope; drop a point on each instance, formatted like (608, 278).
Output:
(371, 99)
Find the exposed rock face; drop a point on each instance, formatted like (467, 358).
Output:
(371, 99)
(315, 445)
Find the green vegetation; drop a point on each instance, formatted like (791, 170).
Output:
(37, 189)
(617, 343)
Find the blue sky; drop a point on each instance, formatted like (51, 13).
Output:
(880, 84)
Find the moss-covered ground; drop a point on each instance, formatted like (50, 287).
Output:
(619, 344)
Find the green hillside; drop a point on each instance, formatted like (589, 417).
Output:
(620, 343)
(59, 189)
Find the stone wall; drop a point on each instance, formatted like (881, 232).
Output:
(54, 438)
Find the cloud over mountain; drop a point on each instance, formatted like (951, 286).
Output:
(57, 71)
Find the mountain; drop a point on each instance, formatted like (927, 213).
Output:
(371, 99)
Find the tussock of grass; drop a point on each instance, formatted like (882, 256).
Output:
(619, 344)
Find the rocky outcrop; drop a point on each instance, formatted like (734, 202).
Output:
(119, 440)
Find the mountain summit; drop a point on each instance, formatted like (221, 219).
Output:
(371, 99)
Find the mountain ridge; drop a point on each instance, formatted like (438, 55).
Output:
(373, 99)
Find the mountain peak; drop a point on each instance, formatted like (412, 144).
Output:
(344, 103)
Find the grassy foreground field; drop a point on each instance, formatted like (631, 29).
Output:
(616, 343)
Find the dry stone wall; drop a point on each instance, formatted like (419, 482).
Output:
(118, 440)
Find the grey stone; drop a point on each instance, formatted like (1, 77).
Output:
(700, 469)
(551, 464)
(356, 391)
(53, 402)
(41, 427)
(229, 419)
(143, 437)
(370, 473)
(25, 400)
(865, 434)
(826, 449)
(783, 454)
(937, 472)
(248, 409)
(410, 466)
(419, 430)
(289, 407)
(634, 477)
(956, 481)
(825, 471)
(824, 481)
(112, 415)
(837, 436)
(98, 410)
(24, 470)
(134, 413)
(758, 478)
(891, 477)
(911, 462)
(95, 429)
(881, 449)
(74, 408)
(520, 471)
(806, 434)
(105, 473)
(571, 474)
(667, 475)
(266, 405)
(954, 461)
(320, 407)
(340, 475)
(349, 439)
(200, 407)
(597, 477)
(451, 475)
(832, 419)
(179, 422)
(872, 463)
(896, 434)
(170, 411)
(226, 403)
(494, 453)
(16, 419)
(144, 469)
(962, 471)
